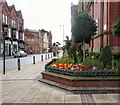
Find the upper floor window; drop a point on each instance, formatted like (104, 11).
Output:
(21, 36)
(97, 22)
(5, 19)
(13, 23)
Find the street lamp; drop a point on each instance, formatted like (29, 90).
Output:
(5, 30)
(63, 33)
(63, 37)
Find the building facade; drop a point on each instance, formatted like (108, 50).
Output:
(105, 14)
(37, 41)
(11, 29)
(74, 13)
(31, 41)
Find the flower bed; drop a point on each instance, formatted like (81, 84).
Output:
(73, 79)
(60, 69)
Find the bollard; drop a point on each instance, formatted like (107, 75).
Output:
(46, 56)
(51, 54)
(18, 63)
(41, 57)
(33, 59)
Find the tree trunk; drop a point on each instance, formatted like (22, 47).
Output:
(83, 50)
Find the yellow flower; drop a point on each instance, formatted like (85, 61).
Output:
(81, 65)
(76, 52)
(93, 57)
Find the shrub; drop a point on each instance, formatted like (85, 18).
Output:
(96, 55)
(106, 56)
(93, 63)
(66, 59)
(75, 53)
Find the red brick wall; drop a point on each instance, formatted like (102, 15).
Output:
(114, 14)
(111, 13)
(81, 83)
(96, 42)
(5, 10)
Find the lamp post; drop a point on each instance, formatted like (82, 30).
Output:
(63, 32)
(3, 53)
(5, 30)
(63, 37)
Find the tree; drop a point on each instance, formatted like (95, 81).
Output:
(116, 28)
(67, 43)
(83, 28)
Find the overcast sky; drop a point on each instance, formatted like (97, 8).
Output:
(46, 14)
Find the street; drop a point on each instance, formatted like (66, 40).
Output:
(12, 63)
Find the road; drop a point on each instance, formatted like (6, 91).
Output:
(12, 63)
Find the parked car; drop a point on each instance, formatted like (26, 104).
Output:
(20, 54)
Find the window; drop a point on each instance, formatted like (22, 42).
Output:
(9, 32)
(97, 27)
(14, 34)
(13, 23)
(21, 36)
(5, 19)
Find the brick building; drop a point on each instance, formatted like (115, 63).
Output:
(12, 25)
(105, 14)
(31, 41)
(37, 41)
(74, 12)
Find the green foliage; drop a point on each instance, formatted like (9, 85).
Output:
(115, 64)
(66, 59)
(72, 53)
(67, 43)
(91, 54)
(116, 28)
(93, 63)
(75, 53)
(84, 27)
(106, 56)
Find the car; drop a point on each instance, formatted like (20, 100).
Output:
(20, 54)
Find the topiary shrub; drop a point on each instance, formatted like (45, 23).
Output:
(106, 56)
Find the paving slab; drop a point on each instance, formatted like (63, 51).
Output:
(23, 87)
(101, 98)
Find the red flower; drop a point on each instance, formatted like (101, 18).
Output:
(57, 65)
(81, 69)
(104, 69)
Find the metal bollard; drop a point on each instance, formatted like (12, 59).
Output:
(51, 54)
(33, 59)
(18, 63)
(41, 57)
(46, 56)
